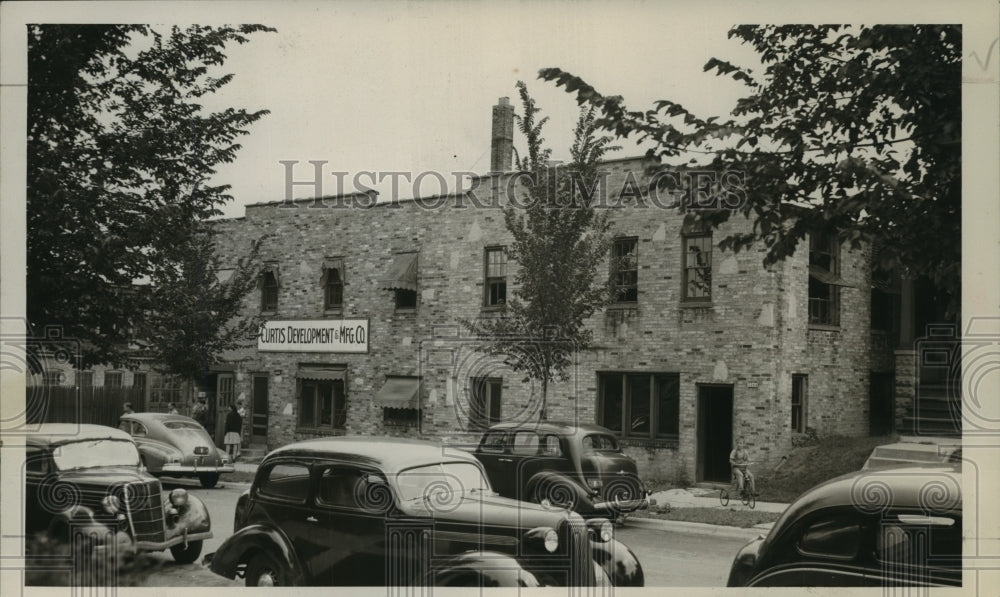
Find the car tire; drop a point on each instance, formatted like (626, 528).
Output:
(209, 480)
(558, 493)
(263, 570)
(186, 555)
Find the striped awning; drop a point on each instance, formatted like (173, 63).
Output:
(402, 273)
(322, 373)
(827, 277)
(399, 392)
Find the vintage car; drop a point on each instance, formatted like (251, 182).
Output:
(580, 467)
(362, 511)
(176, 446)
(89, 478)
(891, 527)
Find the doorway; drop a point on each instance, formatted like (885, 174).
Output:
(258, 411)
(880, 403)
(715, 432)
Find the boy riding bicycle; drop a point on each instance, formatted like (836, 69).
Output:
(739, 460)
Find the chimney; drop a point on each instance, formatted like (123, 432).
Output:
(502, 146)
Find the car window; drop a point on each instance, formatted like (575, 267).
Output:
(525, 443)
(835, 537)
(178, 425)
(550, 446)
(492, 442)
(138, 429)
(919, 540)
(36, 461)
(343, 486)
(125, 426)
(288, 481)
(600, 443)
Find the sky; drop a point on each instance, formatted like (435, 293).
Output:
(409, 87)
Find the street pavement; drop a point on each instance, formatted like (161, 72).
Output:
(672, 554)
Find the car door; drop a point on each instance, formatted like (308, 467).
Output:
(492, 452)
(351, 504)
(281, 500)
(522, 449)
(38, 465)
(914, 547)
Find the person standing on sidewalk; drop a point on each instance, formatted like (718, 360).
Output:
(242, 410)
(234, 428)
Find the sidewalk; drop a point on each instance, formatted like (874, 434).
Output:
(707, 498)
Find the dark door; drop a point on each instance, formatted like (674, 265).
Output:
(715, 432)
(880, 403)
(258, 417)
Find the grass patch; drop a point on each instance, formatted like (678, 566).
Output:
(724, 516)
(808, 466)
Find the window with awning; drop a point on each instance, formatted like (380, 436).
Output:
(401, 278)
(399, 392)
(322, 397)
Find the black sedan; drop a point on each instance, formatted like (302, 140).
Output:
(579, 467)
(891, 527)
(395, 512)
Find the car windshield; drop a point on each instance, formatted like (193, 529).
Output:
(441, 482)
(600, 443)
(183, 425)
(95, 453)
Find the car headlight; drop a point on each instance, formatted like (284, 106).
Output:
(601, 529)
(111, 504)
(595, 483)
(546, 537)
(179, 497)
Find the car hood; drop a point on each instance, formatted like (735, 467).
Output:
(488, 510)
(103, 476)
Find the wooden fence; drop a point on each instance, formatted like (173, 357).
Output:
(66, 404)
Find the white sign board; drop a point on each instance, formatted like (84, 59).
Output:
(324, 335)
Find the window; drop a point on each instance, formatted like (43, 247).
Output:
(322, 403)
(406, 299)
(333, 284)
(268, 291)
(341, 486)
(698, 267)
(401, 278)
(287, 481)
(484, 401)
(640, 405)
(525, 443)
(495, 285)
(550, 446)
(921, 540)
(165, 389)
(113, 379)
(625, 270)
(139, 383)
(492, 442)
(800, 384)
(837, 537)
(824, 280)
(36, 461)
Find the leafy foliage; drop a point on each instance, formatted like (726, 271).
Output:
(120, 157)
(848, 130)
(558, 241)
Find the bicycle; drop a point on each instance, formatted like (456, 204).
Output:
(747, 497)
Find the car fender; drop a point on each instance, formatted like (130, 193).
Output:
(155, 454)
(549, 478)
(488, 568)
(619, 563)
(236, 550)
(192, 517)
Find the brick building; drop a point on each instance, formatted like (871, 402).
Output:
(363, 333)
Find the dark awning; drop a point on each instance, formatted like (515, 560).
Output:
(827, 277)
(321, 373)
(402, 274)
(399, 392)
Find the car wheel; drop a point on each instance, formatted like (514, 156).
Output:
(557, 493)
(186, 555)
(209, 480)
(264, 571)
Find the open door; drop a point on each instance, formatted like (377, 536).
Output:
(258, 411)
(225, 395)
(715, 432)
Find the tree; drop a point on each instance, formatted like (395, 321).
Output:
(120, 157)
(558, 241)
(849, 130)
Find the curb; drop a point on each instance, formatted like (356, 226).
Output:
(695, 528)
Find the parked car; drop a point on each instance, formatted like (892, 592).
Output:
(397, 512)
(576, 466)
(90, 478)
(891, 527)
(176, 446)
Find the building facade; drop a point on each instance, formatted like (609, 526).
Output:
(363, 334)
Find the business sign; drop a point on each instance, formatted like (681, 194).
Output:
(324, 335)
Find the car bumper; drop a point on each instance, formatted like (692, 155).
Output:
(622, 505)
(186, 469)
